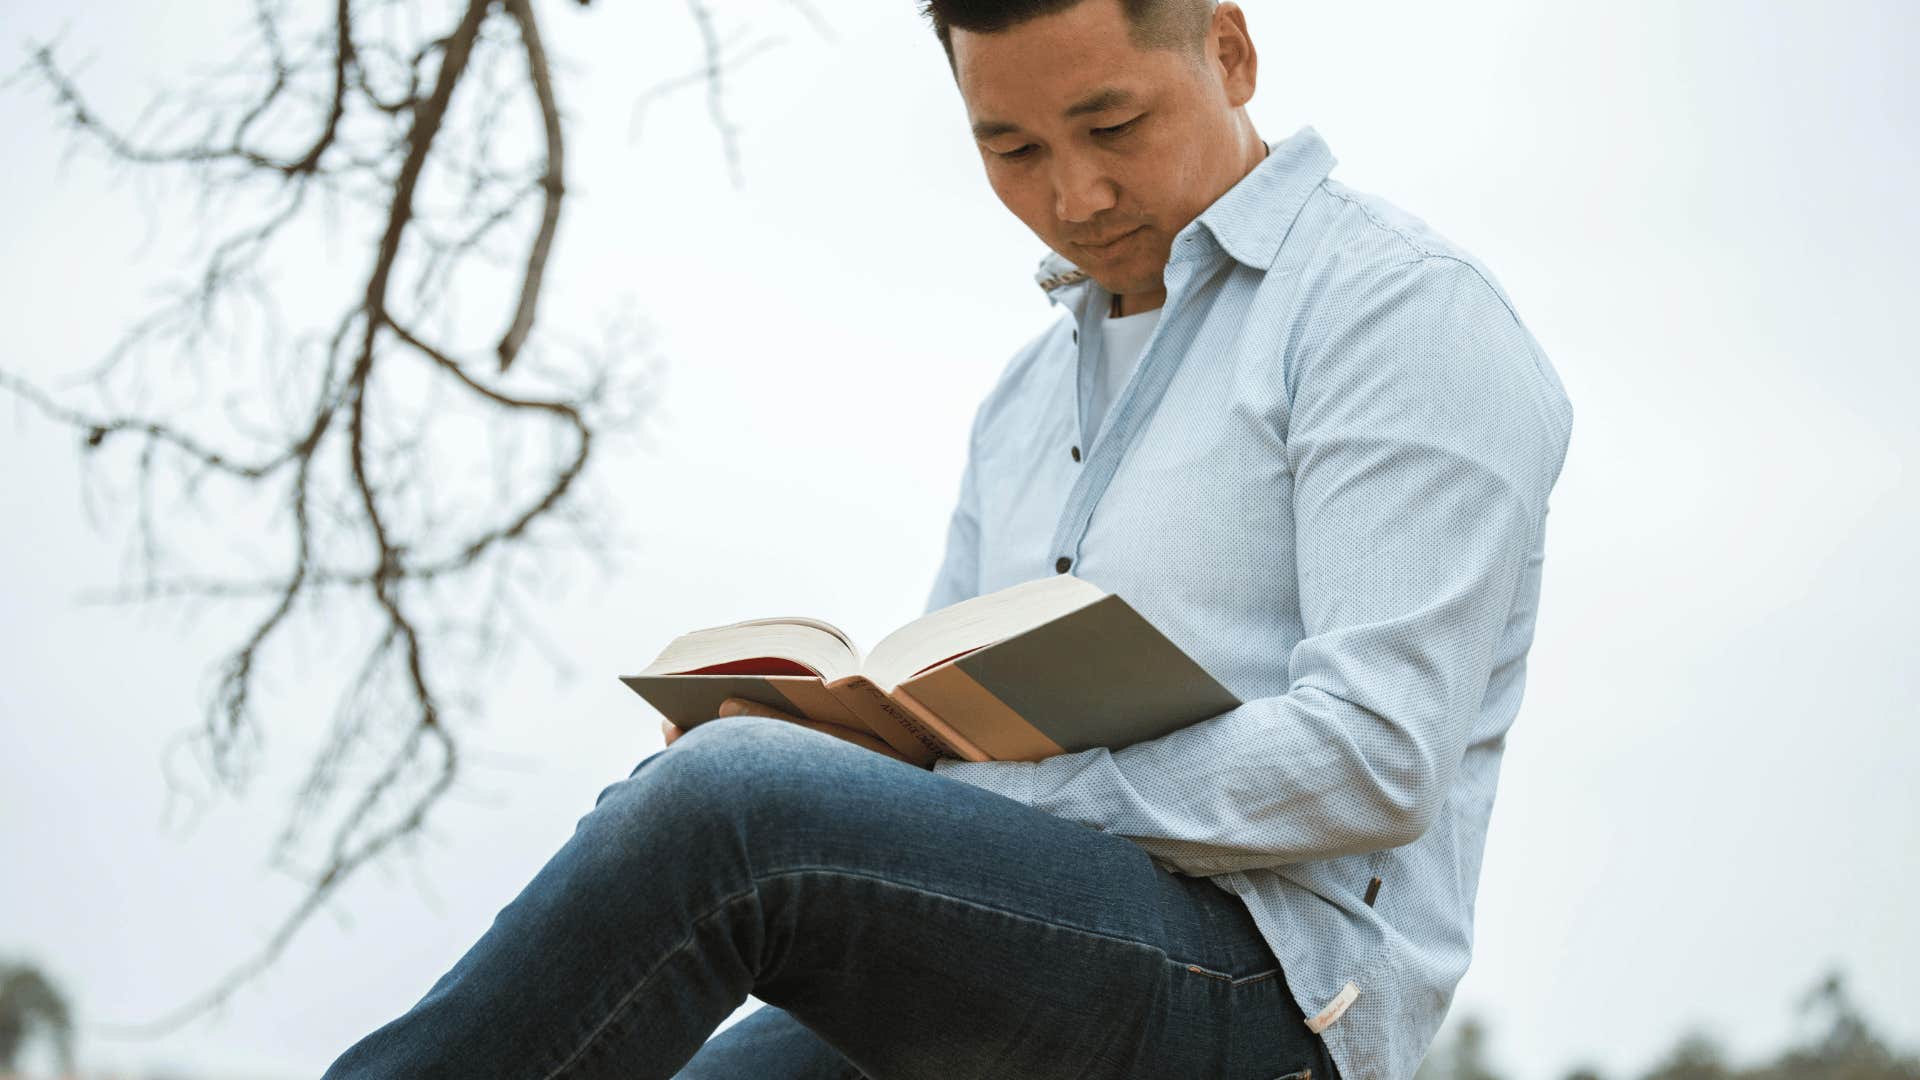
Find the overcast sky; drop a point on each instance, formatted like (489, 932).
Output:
(1705, 212)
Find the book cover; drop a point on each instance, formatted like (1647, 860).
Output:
(1099, 674)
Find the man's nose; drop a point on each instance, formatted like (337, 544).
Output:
(1080, 188)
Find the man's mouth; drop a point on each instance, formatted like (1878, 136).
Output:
(1115, 240)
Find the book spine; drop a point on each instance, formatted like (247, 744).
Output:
(958, 745)
(926, 738)
(817, 701)
(894, 725)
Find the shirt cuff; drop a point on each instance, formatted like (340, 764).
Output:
(1014, 779)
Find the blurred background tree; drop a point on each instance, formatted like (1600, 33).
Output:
(1464, 1057)
(384, 472)
(32, 1007)
(1840, 1045)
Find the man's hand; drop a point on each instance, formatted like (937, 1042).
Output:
(735, 706)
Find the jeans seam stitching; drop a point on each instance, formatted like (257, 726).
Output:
(626, 999)
(1240, 980)
(843, 872)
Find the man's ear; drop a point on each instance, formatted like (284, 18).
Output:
(1234, 57)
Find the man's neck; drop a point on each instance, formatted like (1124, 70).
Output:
(1134, 303)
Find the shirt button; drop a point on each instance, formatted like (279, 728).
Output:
(1076, 337)
(1062, 563)
(1076, 453)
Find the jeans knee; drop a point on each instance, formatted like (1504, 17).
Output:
(746, 751)
(733, 765)
(738, 795)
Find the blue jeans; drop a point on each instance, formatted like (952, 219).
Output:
(899, 924)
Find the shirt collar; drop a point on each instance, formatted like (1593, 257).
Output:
(1249, 220)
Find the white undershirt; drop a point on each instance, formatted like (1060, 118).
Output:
(1121, 342)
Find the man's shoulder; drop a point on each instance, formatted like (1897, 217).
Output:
(1376, 263)
(1368, 240)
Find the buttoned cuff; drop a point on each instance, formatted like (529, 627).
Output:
(1014, 779)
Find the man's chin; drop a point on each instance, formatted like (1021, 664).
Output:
(1131, 283)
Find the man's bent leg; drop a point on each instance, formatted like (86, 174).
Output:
(768, 1044)
(922, 927)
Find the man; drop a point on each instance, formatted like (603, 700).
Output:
(1303, 434)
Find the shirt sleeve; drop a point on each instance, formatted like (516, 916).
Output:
(1424, 434)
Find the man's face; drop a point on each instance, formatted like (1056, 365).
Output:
(1086, 137)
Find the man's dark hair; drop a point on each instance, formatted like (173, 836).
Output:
(1151, 24)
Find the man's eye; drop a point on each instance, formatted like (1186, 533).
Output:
(1117, 129)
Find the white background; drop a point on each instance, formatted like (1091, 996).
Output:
(1704, 211)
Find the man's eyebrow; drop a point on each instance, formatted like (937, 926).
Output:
(1107, 97)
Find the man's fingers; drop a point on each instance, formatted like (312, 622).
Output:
(735, 706)
(857, 738)
(670, 731)
(739, 706)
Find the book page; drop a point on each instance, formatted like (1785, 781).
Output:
(801, 620)
(819, 647)
(975, 622)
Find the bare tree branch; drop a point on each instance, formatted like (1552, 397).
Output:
(377, 514)
(337, 447)
(516, 336)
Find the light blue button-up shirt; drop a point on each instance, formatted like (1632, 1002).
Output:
(1327, 480)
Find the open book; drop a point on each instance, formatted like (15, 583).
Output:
(1045, 667)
